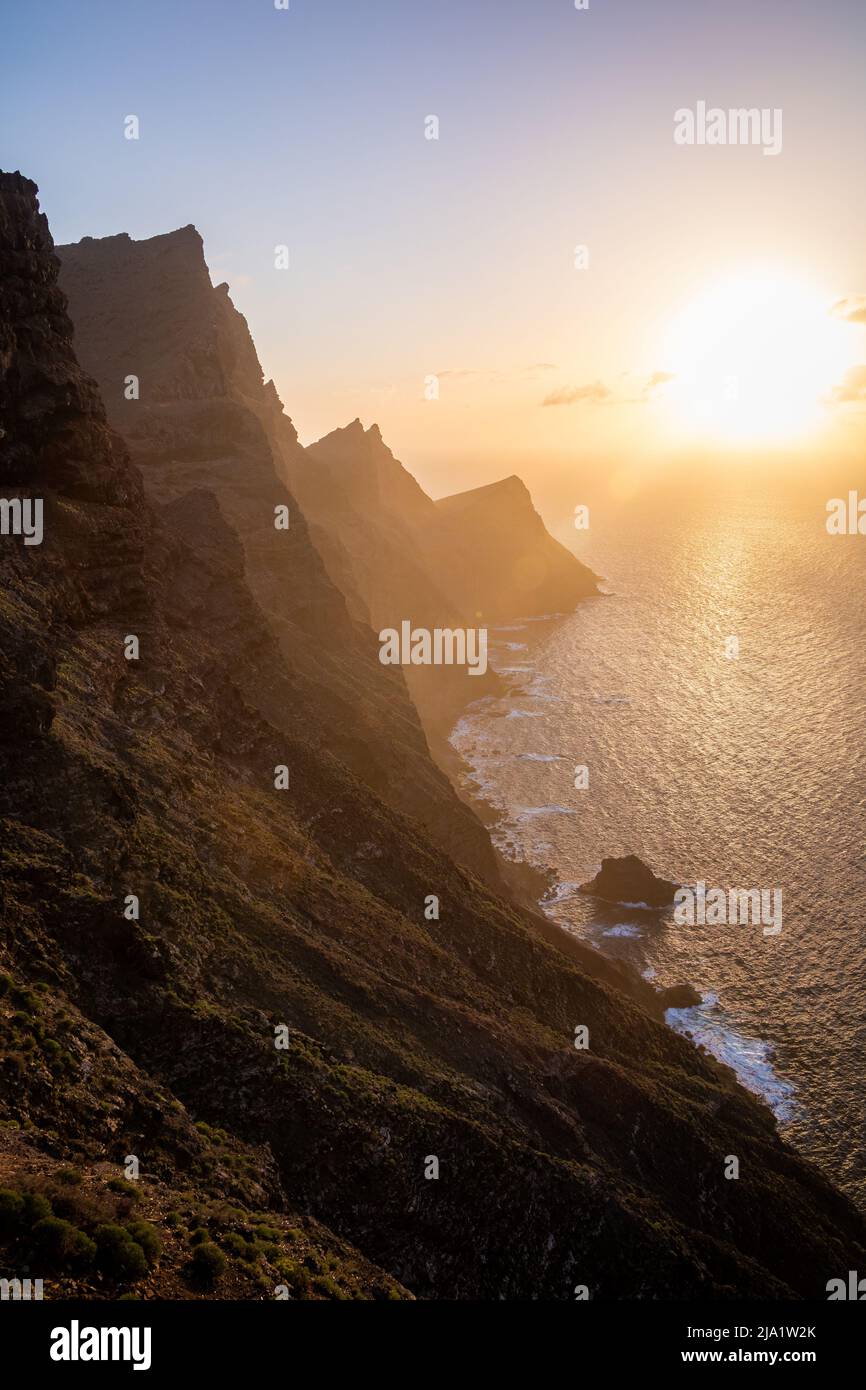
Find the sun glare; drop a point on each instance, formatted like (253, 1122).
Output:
(754, 360)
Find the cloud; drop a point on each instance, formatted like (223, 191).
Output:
(597, 393)
(851, 388)
(852, 308)
(570, 395)
(497, 373)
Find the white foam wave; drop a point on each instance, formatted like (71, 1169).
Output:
(751, 1058)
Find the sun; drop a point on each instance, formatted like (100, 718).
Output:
(753, 360)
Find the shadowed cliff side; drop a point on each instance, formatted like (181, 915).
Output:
(204, 418)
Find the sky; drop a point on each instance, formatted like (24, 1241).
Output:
(455, 258)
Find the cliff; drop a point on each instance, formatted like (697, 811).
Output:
(297, 915)
(205, 418)
(148, 308)
(475, 559)
(379, 537)
(505, 562)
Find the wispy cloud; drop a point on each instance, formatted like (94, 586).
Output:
(596, 393)
(852, 308)
(498, 373)
(570, 395)
(851, 388)
(658, 379)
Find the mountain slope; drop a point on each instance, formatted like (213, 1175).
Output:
(302, 911)
(206, 419)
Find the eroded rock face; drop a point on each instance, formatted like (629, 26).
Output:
(303, 910)
(474, 559)
(205, 419)
(631, 883)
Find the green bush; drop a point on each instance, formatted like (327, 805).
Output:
(198, 1236)
(11, 1211)
(25, 999)
(69, 1175)
(146, 1236)
(268, 1233)
(234, 1244)
(208, 1262)
(36, 1208)
(124, 1188)
(118, 1255)
(58, 1245)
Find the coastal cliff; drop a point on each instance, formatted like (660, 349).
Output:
(282, 1033)
(205, 418)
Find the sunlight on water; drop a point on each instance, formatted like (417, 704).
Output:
(743, 769)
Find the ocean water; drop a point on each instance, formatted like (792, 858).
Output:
(745, 772)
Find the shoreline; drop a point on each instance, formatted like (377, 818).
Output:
(747, 1058)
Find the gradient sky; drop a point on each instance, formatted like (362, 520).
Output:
(455, 257)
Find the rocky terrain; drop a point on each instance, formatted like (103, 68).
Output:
(479, 558)
(204, 419)
(344, 1061)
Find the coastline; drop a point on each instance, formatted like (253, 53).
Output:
(693, 1012)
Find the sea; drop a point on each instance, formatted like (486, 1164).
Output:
(736, 763)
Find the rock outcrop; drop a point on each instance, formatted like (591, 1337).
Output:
(241, 985)
(631, 883)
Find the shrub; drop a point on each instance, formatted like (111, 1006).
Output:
(36, 1208)
(11, 1211)
(124, 1188)
(268, 1233)
(69, 1175)
(118, 1255)
(59, 1245)
(146, 1236)
(208, 1262)
(329, 1288)
(25, 999)
(234, 1244)
(297, 1278)
(198, 1236)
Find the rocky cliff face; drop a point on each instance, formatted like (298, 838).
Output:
(471, 560)
(148, 309)
(205, 418)
(506, 564)
(378, 532)
(297, 917)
